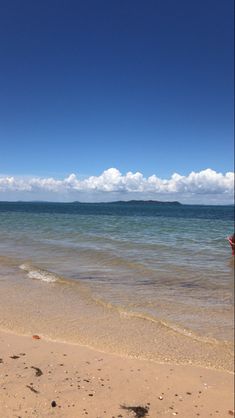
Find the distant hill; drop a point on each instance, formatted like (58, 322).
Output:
(145, 202)
(76, 202)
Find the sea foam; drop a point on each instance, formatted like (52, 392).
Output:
(39, 274)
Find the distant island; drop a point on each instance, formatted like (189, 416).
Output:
(148, 202)
(77, 202)
(129, 202)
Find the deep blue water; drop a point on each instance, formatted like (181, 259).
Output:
(124, 209)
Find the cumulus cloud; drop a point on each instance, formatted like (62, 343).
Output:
(112, 181)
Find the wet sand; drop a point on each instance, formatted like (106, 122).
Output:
(40, 378)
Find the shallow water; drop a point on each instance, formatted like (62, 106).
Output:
(138, 279)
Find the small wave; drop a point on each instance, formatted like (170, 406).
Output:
(177, 329)
(39, 274)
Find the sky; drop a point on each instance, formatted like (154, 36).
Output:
(105, 99)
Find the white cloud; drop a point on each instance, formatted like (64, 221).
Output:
(194, 186)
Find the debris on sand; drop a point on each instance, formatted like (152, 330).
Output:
(140, 411)
(32, 389)
(38, 371)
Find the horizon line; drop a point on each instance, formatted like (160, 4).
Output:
(119, 201)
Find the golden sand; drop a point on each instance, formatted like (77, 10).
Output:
(40, 378)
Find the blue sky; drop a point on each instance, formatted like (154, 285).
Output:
(136, 85)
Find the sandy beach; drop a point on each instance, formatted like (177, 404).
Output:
(40, 378)
(117, 209)
(97, 320)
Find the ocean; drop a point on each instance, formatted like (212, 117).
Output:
(140, 279)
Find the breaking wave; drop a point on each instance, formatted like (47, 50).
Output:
(39, 274)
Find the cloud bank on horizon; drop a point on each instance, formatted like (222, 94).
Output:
(206, 186)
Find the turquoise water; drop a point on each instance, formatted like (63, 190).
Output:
(168, 263)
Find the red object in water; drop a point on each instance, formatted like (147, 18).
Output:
(231, 241)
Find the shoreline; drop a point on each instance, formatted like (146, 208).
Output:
(122, 355)
(41, 378)
(99, 327)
